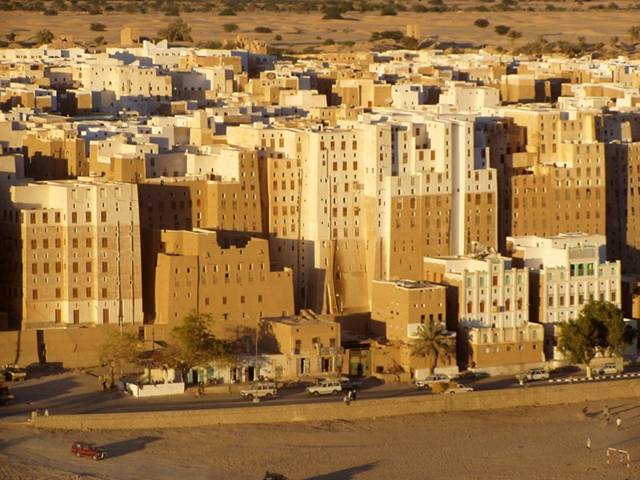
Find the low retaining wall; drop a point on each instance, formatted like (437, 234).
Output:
(362, 409)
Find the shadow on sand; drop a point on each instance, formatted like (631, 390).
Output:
(344, 474)
(123, 447)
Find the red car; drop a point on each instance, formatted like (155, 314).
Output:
(87, 450)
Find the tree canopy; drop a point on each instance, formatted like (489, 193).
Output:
(121, 350)
(600, 328)
(191, 344)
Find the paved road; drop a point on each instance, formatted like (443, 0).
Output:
(73, 393)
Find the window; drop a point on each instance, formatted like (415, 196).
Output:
(104, 293)
(74, 217)
(105, 268)
(34, 294)
(74, 267)
(103, 216)
(87, 217)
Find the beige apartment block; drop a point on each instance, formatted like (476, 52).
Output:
(569, 271)
(229, 279)
(54, 153)
(400, 307)
(623, 203)
(79, 262)
(306, 345)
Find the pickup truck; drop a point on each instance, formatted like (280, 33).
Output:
(260, 390)
(427, 382)
(457, 388)
(608, 369)
(13, 373)
(325, 387)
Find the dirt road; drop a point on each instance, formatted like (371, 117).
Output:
(528, 444)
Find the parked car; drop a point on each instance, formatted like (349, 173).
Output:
(536, 374)
(608, 369)
(261, 390)
(13, 373)
(80, 449)
(457, 388)
(426, 382)
(5, 395)
(327, 386)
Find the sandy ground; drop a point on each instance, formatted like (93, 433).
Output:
(449, 26)
(527, 444)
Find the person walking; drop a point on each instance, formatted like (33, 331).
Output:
(618, 423)
(606, 414)
(346, 399)
(589, 443)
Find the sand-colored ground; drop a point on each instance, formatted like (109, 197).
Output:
(525, 444)
(596, 26)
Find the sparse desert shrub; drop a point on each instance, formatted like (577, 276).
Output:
(262, 30)
(227, 12)
(99, 40)
(513, 34)
(50, 12)
(277, 38)
(177, 31)
(481, 23)
(333, 13)
(44, 36)
(388, 10)
(329, 41)
(98, 27)
(396, 35)
(172, 11)
(230, 27)
(502, 29)
(419, 8)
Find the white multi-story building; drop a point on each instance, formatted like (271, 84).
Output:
(570, 270)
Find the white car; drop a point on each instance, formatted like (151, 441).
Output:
(430, 380)
(536, 374)
(608, 369)
(260, 390)
(325, 387)
(458, 389)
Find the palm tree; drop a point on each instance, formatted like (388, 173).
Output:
(432, 341)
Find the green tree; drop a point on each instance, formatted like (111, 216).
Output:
(481, 23)
(44, 36)
(600, 328)
(192, 345)
(98, 27)
(502, 29)
(120, 351)
(177, 31)
(433, 341)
